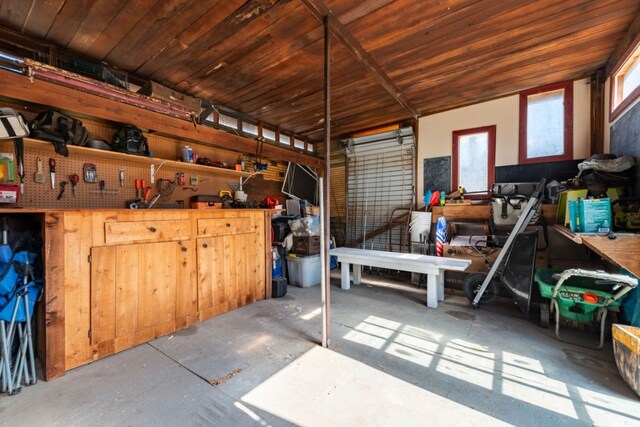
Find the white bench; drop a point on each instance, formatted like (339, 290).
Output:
(432, 266)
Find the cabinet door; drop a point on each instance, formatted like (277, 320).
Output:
(229, 273)
(139, 292)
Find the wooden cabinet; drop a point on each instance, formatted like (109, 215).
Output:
(118, 278)
(140, 292)
(228, 274)
(141, 231)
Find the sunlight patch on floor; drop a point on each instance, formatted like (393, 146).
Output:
(522, 361)
(508, 373)
(310, 315)
(610, 410)
(534, 395)
(323, 388)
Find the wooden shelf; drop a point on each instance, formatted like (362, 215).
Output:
(130, 158)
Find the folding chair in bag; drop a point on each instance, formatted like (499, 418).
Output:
(19, 291)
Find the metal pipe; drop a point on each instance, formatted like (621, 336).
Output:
(323, 266)
(326, 216)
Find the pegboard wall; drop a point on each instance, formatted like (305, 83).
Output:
(88, 195)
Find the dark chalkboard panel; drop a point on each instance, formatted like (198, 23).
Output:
(437, 174)
(625, 133)
(560, 171)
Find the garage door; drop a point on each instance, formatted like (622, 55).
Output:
(379, 190)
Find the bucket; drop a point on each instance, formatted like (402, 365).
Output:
(420, 224)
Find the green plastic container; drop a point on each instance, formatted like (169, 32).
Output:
(571, 295)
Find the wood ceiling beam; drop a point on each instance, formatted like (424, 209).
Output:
(319, 10)
(15, 86)
(631, 35)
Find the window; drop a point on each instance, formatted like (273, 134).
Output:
(625, 83)
(297, 143)
(228, 121)
(249, 128)
(268, 134)
(284, 139)
(474, 158)
(546, 124)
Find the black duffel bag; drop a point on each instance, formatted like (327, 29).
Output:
(130, 140)
(59, 129)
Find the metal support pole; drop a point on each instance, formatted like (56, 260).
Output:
(323, 267)
(326, 211)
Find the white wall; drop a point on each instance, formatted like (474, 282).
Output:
(435, 131)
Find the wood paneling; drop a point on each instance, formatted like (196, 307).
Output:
(264, 57)
(127, 294)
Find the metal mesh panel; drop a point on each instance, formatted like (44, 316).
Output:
(380, 176)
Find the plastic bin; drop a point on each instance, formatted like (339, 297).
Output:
(304, 271)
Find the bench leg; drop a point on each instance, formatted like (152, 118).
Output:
(345, 282)
(432, 290)
(440, 281)
(357, 274)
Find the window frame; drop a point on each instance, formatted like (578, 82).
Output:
(523, 158)
(491, 158)
(631, 56)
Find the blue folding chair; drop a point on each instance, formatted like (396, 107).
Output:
(17, 361)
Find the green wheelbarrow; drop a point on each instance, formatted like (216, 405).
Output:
(581, 296)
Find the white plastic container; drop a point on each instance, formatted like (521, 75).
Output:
(420, 225)
(304, 271)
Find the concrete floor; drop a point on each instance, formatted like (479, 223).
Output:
(392, 362)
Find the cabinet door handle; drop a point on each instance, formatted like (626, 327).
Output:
(228, 225)
(183, 249)
(204, 245)
(153, 229)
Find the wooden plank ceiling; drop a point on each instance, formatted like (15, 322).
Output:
(264, 58)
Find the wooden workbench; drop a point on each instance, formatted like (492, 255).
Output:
(624, 250)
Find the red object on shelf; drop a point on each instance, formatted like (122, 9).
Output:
(9, 193)
(271, 202)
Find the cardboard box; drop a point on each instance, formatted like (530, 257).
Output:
(478, 261)
(594, 215)
(164, 93)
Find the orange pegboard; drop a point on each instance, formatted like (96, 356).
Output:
(88, 195)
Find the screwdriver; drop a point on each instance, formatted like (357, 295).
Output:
(74, 182)
(102, 185)
(137, 187)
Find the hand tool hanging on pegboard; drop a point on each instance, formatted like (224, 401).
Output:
(258, 165)
(18, 144)
(52, 172)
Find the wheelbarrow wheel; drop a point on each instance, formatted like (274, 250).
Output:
(472, 284)
(544, 315)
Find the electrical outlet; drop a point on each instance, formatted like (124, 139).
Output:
(194, 180)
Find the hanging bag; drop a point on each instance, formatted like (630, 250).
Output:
(130, 140)
(60, 129)
(12, 124)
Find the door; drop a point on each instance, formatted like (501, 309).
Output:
(139, 292)
(229, 273)
(380, 190)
